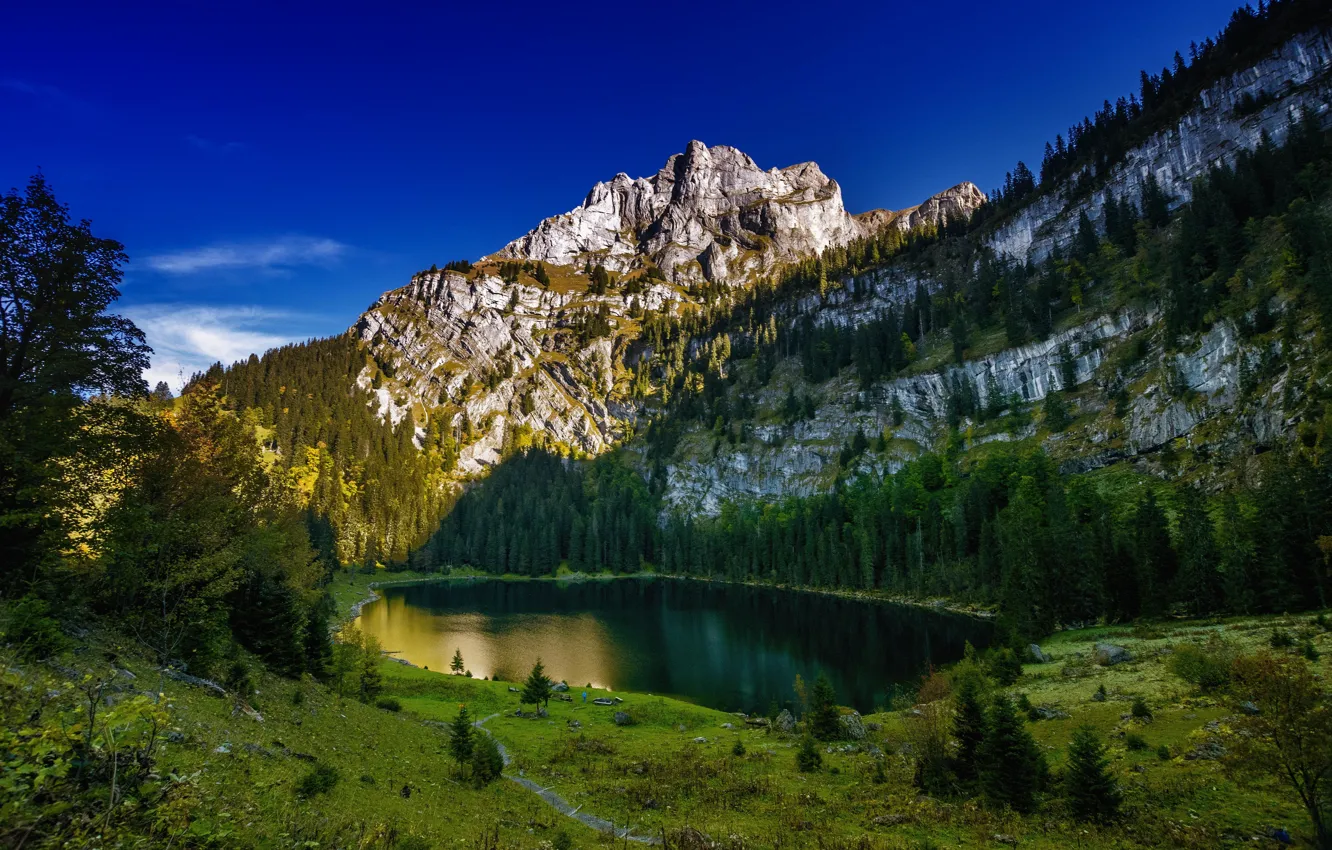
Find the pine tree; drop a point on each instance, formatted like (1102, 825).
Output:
(487, 760)
(461, 733)
(1093, 794)
(969, 726)
(536, 690)
(456, 665)
(1011, 765)
(823, 713)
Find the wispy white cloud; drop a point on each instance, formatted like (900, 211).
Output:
(49, 96)
(284, 252)
(215, 147)
(188, 338)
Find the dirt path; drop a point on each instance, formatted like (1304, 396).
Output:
(561, 805)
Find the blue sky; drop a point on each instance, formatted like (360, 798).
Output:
(273, 167)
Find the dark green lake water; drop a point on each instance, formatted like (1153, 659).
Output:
(729, 647)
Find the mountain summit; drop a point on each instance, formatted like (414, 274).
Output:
(712, 214)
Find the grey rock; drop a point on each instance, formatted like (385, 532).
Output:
(785, 722)
(1108, 654)
(559, 687)
(852, 726)
(1037, 654)
(1250, 708)
(622, 718)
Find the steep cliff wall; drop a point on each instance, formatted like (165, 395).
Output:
(1297, 79)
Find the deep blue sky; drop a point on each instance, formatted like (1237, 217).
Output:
(272, 169)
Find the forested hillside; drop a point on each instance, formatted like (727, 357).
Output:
(1186, 532)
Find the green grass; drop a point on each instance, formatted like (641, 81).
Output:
(244, 775)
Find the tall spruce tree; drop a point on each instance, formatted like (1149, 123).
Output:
(969, 729)
(1012, 767)
(823, 712)
(1092, 792)
(461, 735)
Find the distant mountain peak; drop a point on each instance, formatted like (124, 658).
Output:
(710, 214)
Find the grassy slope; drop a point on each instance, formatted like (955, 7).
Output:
(654, 774)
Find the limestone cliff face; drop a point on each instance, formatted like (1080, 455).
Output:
(1296, 78)
(713, 214)
(490, 355)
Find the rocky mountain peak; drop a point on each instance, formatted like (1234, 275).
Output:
(710, 213)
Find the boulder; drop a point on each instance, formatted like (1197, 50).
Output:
(728, 726)
(852, 726)
(622, 718)
(1037, 654)
(786, 722)
(1108, 654)
(559, 687)
(1250, 708)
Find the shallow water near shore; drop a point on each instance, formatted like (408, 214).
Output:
(730, 647)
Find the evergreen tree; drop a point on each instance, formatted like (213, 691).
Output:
(487, 761)
(1092, 792)
(808, 758)
(456, 665)
(824, 723)
(536, 690)
(461, 735)
(969, 728)
(1012, 767)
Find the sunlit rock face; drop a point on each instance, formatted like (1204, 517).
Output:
(713, 214)
(491, 355)
(1294, 76)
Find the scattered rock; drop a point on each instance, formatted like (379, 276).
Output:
(1208, 751)
(603, 701)
(679, 727)
(560, 687)
(728, 726)
(574, 724)
(1038, 655)
(181, 676)
(174, 737)
(622, 718)
(1050, 712)
(513, 690)
(1108, 655)
(700, 740)
(224, 749)
(257, 750)
(889, 820)
(786, 722)
(1005, 839)
(1250, 708)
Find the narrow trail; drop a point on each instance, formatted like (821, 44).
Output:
(561, 805)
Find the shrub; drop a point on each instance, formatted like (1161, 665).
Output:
(1135, 742)
(1206, 667)
(1163, 752)
(739, 748)
(808, 759)
(1309, 651)
(32, 631)
(1140, 711)
(1281, 639)
(320, 780)
(562, 841)
(389, 704)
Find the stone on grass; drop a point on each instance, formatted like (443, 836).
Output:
(1108, 655)
(623, 719)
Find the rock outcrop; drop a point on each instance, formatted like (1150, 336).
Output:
(1297, 78)
(713, 214)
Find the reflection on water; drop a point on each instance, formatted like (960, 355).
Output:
(729, 647)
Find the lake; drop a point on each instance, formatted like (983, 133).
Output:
(730, 647)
